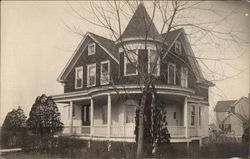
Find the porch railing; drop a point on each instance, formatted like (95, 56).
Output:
(122, 130)
(176, 131)
(100, 130)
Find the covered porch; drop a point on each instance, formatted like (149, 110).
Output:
(106, 116)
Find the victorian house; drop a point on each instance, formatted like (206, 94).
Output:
(99, 75)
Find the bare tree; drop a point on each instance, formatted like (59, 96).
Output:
(170, 15)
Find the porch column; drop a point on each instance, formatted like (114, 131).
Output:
(71, 116)
(91, 116)
(185, 117)
(109, 114)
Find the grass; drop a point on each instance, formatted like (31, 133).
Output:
(22, 155)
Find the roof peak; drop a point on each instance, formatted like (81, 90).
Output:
(141, 25)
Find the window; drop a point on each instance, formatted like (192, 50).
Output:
(151, 59)
(192, 115)
(174, 115)
(104, 114)
(130, 114)
(184, 77)
(177, 47)
(130, 67)
(227, 127)
(200, 116)
(91, 80)
(73, 111)
(91, 48)
(78, 77)
(171, 73)
(105, 69)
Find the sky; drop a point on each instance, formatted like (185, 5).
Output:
(36, 44)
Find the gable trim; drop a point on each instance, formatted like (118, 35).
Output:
(96, 41)
(72, 61)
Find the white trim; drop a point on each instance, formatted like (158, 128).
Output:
(80, 68)
(88, 66)
(101, 75)
(138, 39)
(158, 63)
(172, 64)
(103, 48)
(186, 79)
(137, 45)
(59, 79)
(125, 62)
(90, 45)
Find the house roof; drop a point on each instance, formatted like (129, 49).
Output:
(222, 106)
(106, 44)
(242, 98)
(171, 38)
(140, 24)
(237, 115)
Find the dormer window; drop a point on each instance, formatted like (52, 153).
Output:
(91, 78)
(78, 77)
(91, 48)
(184, 77)
(130, 63)
(177, 47)
(152, 54)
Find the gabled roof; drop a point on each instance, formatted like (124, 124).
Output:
(237, 115)
(223, 106)
(106, 44)
(242, 98)
(170, 40)
(140, 24)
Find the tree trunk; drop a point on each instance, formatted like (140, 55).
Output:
(139, 154)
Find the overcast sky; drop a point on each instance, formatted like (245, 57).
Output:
(35, 46)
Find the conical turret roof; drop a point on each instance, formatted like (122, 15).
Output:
(140, 24)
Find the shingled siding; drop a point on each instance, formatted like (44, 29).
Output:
(84, 60)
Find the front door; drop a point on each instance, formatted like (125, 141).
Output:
(85, 115)
(172, 115)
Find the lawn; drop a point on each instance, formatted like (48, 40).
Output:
(22, 155)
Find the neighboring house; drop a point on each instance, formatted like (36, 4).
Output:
(99, 70)
(233, 116)
(222, 109)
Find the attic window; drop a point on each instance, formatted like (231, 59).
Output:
(177, 47)
(91, 48)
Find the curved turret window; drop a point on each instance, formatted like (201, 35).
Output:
(152, 54)
(130, 62)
